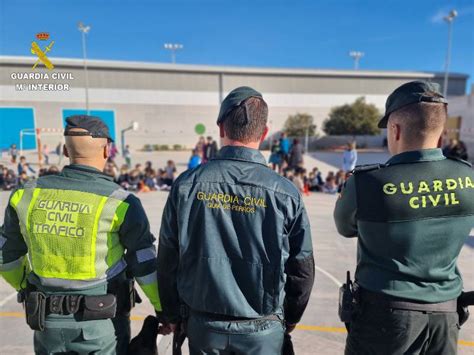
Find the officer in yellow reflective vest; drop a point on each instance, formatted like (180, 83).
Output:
(72, 244)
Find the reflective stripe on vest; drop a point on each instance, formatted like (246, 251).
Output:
(71, 235)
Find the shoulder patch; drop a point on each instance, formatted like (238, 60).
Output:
(460, 161)
(367, 167)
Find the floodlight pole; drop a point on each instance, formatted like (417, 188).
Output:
(133, 127)
(306, 139)
(356, 55)
(449, 19)
(85, 30)
(173, 47)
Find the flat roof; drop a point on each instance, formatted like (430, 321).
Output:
(193, 68)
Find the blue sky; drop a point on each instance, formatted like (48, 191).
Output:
(395, 35)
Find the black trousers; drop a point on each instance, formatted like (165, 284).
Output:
(385, 331)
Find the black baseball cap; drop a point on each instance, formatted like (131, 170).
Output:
(236, 98)
(95, 127)
(410, 93)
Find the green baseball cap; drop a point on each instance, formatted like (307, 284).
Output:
(410, 93)
(94, 127)
(236, 98)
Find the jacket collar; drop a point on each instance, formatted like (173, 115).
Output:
(85, 169)
(415, 156)
(241, 153)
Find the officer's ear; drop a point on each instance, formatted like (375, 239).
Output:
(440, 141)
(395, 131)
(264, 135)
(65, 152)
(106, 151)
(398, 131)
(221, 131)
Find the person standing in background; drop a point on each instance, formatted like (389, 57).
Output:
(128, 156)
(349, 158)
(276, 156)
(45, 152)
(59, 152)
(210, 150)
(200, 146)
(296, 155)
(195, 160)
(13, 153)
(113, 152)
(170, 170)
(24, 166)
(284, 147)
(455, 149)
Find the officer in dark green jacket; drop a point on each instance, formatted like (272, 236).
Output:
(70, 244)
(235, 243)
(411, 216)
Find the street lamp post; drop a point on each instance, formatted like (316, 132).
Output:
(85, 30)
(449, 19)
(306, 137)
(173, 47)
(133, 127)
(356, 55)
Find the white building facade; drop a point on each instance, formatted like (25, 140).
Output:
(169, 100)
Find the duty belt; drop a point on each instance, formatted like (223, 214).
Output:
(72, 304)
(235, 319)
(38, 305)
(381, 300)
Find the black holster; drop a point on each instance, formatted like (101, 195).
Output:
(463, 313)
(465, 300)
(35, 310)
(347, 301)
(288, 348)
(180, 335)
(127, 295)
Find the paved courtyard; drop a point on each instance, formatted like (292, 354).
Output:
(320, 331)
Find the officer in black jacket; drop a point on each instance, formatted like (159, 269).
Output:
(235, 243)
(411, 216)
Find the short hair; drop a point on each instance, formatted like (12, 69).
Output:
(239, 127)
(421, 119)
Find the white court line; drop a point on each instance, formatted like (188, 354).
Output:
(328, 275)
(7, 299)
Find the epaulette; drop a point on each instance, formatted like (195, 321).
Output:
(30, 184)
(367, 167)
(460, 161)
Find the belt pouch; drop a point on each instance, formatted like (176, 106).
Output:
(35, 309)
(99, 307)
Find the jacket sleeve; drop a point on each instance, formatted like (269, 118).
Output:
(299, 267)
(14, 265)
(168, 260)
(345, 210)
(136, 237)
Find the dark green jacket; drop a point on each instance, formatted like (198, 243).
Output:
(411, 216)
(235, 240)
(53, 214)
